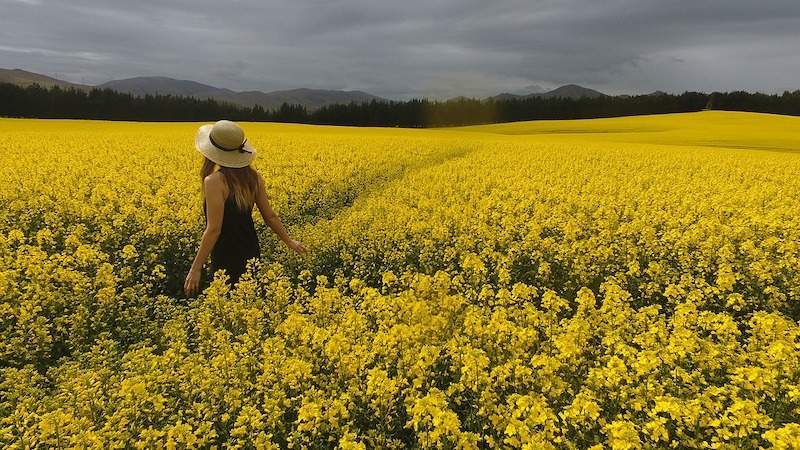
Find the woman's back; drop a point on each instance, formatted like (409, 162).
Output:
(237, 240)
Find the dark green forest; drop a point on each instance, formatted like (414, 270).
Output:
(37, 102)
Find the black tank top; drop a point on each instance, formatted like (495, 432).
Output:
(237, 240)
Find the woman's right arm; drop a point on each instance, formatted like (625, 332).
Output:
(215, 204)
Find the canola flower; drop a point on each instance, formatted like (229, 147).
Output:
(616, 283)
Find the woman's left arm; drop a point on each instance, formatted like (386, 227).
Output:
(272, 220)
(215, 204)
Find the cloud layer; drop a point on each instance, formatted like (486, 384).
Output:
(435, 48)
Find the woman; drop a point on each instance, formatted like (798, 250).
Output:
(230, 193)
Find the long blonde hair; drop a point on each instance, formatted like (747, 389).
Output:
(242, 182)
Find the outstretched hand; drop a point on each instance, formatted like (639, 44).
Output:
(297, 246)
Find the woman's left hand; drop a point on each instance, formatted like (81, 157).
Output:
(192, 283)
(297, 246)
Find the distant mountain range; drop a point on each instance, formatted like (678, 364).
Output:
(310, 98)
(140, 86)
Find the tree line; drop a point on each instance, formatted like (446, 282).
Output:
(35, 101)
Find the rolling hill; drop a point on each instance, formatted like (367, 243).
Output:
(567, 91)
(165, 86)
(24, 78)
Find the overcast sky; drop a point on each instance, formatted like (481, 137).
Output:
(403, 48)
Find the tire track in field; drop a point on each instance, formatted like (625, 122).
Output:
(273, 250)
(346, 197)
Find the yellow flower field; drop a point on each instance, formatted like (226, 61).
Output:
(609, 283)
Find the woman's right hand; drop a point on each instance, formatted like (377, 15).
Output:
(192, 283)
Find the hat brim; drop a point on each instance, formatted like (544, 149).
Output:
(235, 159)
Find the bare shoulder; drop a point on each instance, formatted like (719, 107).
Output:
(214, 182)
(261, 183)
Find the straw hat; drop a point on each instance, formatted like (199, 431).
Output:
(225, 144)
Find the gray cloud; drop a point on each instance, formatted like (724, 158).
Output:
(436, 48)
